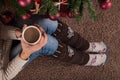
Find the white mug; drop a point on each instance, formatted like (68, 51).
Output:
(31, 35)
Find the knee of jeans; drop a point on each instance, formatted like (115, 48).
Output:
(48, 25)
(51, 45)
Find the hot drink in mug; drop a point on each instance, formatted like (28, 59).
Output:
(31, 35)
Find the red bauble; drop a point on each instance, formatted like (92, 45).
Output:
(57, 15)
(70, 15)
(6, 17)
(26, 16)
(24, 3)
(54, 17)
(38, 1)
(6, 20)
(106, 5)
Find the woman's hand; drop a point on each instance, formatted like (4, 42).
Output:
(27, 49)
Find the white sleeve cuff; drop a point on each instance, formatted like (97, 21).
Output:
(19, 62)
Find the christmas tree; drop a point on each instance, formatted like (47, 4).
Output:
(54, 8)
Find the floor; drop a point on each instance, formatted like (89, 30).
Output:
(106, 28)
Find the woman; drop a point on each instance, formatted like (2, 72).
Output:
(65, 44)
(17, 63)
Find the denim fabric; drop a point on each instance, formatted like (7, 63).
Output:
(48, 25)
(48, 49)
(52, 44)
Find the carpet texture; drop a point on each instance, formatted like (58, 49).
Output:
(106, 28)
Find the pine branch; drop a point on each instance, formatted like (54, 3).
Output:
(19, 9)
(43, 10)
(48, 5)
(78, 18)
(91, 10)
(53, 10)
(74, 5)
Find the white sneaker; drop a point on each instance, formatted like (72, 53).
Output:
(97, 47)
(97, 59)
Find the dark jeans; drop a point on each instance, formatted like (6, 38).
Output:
(71, 45)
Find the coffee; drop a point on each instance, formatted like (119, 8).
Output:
(31, 35)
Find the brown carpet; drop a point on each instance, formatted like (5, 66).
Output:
(105, 28)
